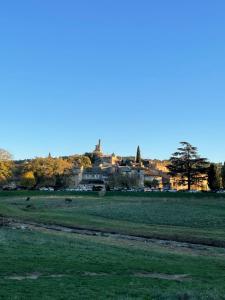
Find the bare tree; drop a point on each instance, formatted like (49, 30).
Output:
(5, 155)
(6, 166)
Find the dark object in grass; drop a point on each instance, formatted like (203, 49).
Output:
(3, 221)
(30, 206)
(184, 296)
(68, 200)
(28, 199)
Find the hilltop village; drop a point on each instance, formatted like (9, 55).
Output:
(124, 171)
(93, 171)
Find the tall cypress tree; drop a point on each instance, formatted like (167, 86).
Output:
(187, 166)
(223, 176)
(138, 155)
(213, 177)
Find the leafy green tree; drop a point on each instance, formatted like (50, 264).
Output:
(80, 161)
(152, 184)
(59, 181)
(187, 166)
(213, 177)
(28, 180)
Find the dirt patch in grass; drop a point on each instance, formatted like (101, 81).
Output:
(95, 274)
(15, 224)
(36, 275)
(176, 277)
(57, 275)
(176, 244)
(32, 276)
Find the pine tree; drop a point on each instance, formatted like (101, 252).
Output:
(188, 166)
(213, 177)
(138, 155)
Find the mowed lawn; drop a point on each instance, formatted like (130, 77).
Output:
(45, 264)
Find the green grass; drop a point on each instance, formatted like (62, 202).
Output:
(98, 268)
(95, 267)
(183, 217)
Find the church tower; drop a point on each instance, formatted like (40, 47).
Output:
(98, 149)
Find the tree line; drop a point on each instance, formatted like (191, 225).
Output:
(40, 172)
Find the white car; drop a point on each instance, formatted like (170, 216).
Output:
(49, 189)
(221, 192)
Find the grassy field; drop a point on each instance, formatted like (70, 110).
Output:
(184, 217)
(37, 263)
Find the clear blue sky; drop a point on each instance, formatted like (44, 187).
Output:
(127, 71)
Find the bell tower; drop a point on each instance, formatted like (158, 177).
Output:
(98, 148)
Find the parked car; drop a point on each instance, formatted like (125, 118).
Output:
(221, 192)
(47, 189)
(193, 191)
(172, 191)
